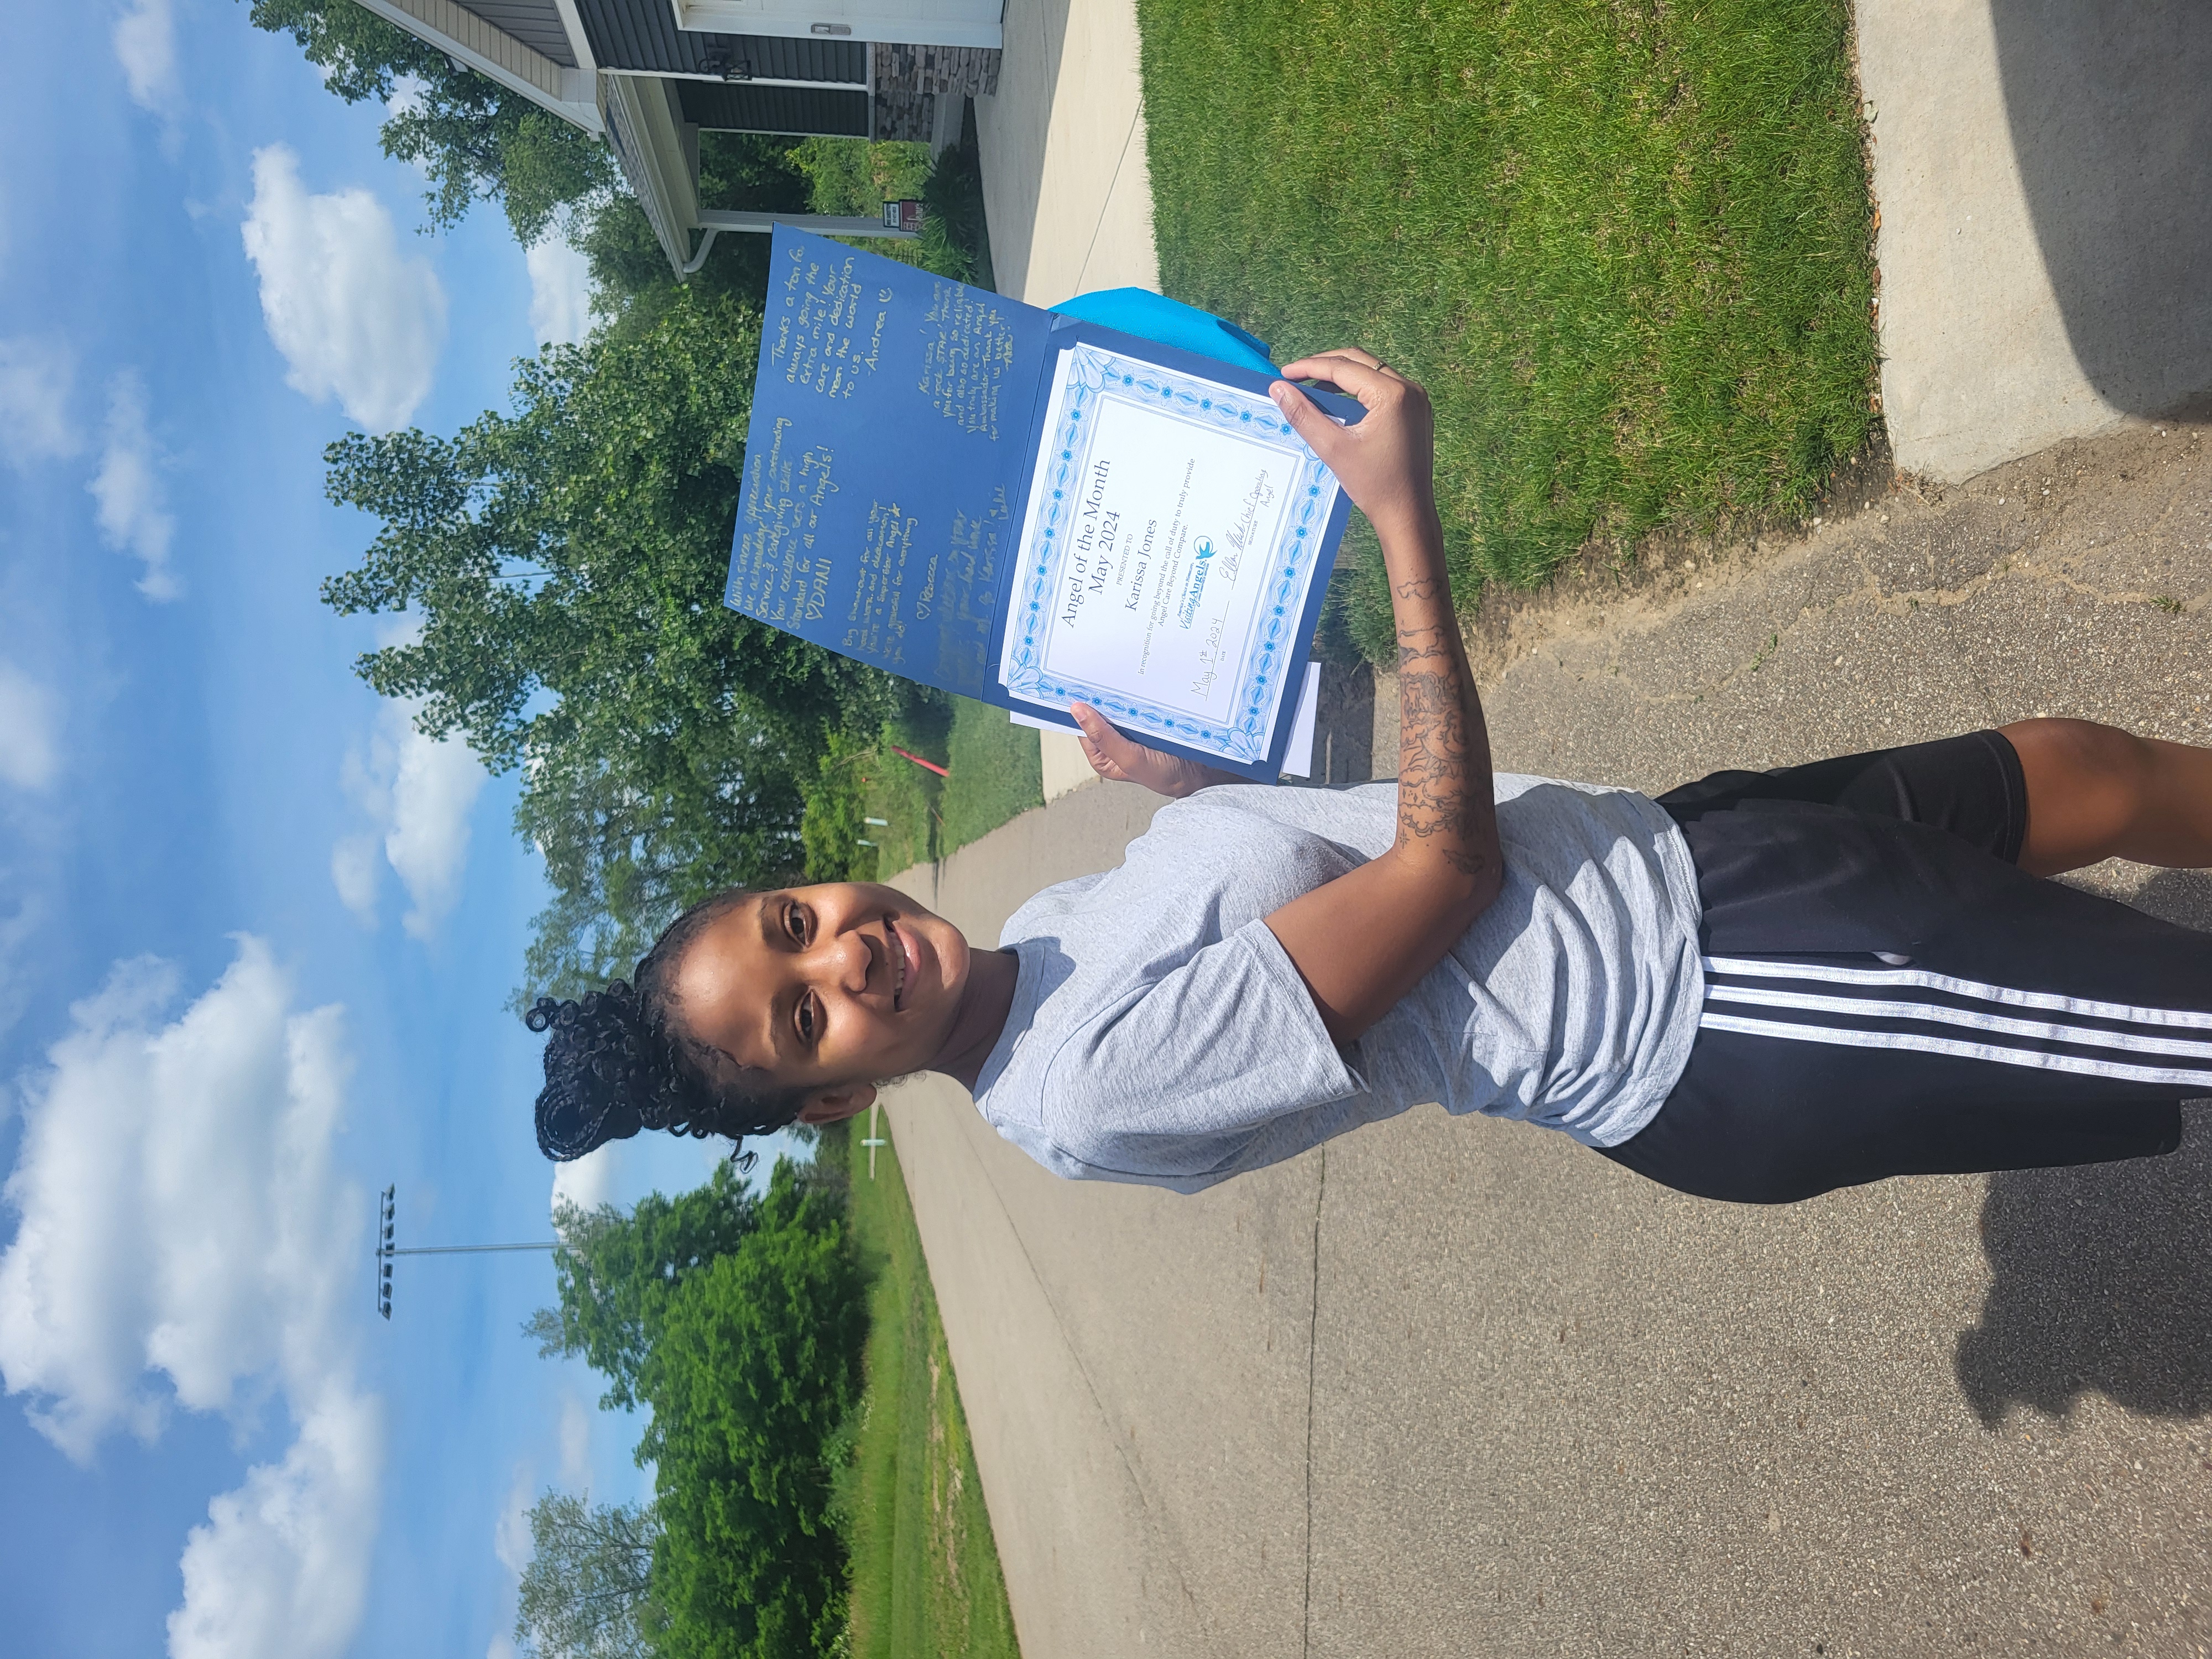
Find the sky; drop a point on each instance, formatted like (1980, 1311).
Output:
(256, 934)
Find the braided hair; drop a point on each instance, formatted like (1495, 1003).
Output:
(621, 1059)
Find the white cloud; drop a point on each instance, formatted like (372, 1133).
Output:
(179, 1209)
(560, 292)
(418, 791)
(511, 1543)
(428, 844)
(179, 1213)
(145, 41)
(30, 753)
(36, 377)
(408, 96)
(510, 1539)
(281, 1569)
(133, 514)
(576, 1444)
(588, 1181)
(356, 872)
(355, 317)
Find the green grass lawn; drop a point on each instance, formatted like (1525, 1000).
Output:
(926, 1583)
(1626, 245)
(905, 797)
(995, 774)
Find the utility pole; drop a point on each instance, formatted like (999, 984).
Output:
(385, 1249)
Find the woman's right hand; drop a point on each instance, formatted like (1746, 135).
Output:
(1386, 463)
(1124, 760)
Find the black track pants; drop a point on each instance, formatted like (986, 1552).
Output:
(1888, 994)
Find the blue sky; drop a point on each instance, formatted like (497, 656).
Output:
(255, 935)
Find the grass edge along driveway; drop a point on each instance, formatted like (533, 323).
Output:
(995, 774)
(1627, 245)
(923, 1565)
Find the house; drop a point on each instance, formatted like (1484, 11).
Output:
(651, 75)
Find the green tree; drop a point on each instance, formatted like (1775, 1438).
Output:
(625, 849)
(587, 1591)
(565, 563)
(477, 140)
(755, 1367)
(632, 282)
(617, 1274)
(835, 821)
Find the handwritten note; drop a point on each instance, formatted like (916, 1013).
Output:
(965, 362)
(877, 618)
(826, 326)
(961, 595)
(778, 572)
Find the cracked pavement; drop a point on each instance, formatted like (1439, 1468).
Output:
(2074, 581)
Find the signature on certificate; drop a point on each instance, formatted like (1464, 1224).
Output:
(1241, 534)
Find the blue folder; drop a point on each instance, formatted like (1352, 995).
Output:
(895, 424)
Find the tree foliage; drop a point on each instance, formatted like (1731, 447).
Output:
(632, 282)
(587, 1591)
(738, 1324)
(617, 1274)
(477, 140)
(565, 563)
(756, 1366)
(835, 822)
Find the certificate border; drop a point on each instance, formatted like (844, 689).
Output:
(1095, 376)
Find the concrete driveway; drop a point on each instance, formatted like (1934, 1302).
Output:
(1066, 189)
(1453, 1388)
(2043, 169)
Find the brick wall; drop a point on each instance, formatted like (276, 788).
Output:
(910, 80)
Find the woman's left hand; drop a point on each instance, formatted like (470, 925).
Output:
(1124, 760)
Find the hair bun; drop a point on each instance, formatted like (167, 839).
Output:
(622, 1060)
(603, 1065)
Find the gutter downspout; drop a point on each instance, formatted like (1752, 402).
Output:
(714, 221)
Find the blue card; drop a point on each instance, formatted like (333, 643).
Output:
(1030, 510)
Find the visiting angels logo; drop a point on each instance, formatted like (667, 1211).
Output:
(1194, 586)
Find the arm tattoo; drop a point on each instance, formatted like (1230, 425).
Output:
(1434, 764)
(1422, 644)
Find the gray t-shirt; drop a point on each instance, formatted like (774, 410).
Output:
(1160, 1033)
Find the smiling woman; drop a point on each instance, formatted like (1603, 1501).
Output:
(1756, 987)
(758, 1010)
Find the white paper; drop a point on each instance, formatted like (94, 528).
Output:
(1168, 550)
(1297, 757)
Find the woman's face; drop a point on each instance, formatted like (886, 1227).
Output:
(828, 990)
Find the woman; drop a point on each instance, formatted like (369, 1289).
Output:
(1757, 988)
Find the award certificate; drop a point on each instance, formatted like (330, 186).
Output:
(1173, 529)
(1030, 508)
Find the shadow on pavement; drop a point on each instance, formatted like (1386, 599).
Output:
(2103, 1282)
(2110, 104)
(2103, 1274)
